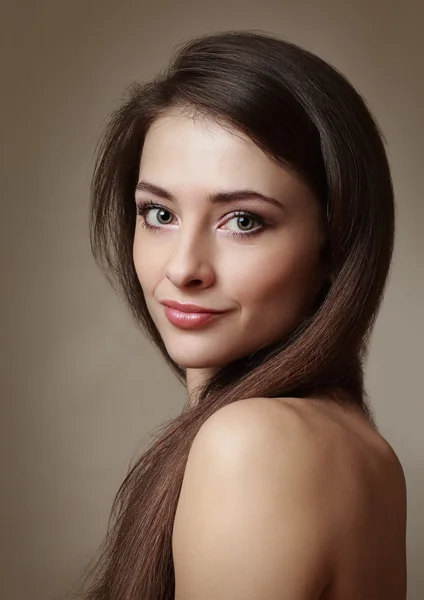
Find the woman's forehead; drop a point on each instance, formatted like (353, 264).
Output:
(179, 150)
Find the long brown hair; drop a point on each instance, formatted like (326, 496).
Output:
(305, 115)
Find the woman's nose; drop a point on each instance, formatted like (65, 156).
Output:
(190, 261)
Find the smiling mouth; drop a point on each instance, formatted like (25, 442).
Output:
(189, 320)
(189, 307)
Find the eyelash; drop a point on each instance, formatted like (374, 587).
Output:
(143, 207)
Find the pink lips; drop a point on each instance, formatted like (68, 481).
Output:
(188, 316)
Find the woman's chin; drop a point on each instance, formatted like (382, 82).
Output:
(196, 363)
(195, 359)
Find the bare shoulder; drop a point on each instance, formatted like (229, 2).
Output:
(262, 439)
(340, 446)
(255, 510)
(250, 417)
(298, 421)
(276, 488)
(260, 428)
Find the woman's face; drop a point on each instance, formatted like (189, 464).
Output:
(263, 269)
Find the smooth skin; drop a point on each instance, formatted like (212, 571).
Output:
(264, 281)
(281, 498)
(290, 499)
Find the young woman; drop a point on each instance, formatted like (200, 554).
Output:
(242, 202)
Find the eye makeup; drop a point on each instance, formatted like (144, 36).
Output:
(144, 207)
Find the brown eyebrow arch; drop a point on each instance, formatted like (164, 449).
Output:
(218, 197)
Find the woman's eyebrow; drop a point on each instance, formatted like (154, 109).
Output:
(217, 197)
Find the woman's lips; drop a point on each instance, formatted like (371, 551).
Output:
(188, 320)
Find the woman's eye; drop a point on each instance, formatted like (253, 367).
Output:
(162, 216)
(242, 222)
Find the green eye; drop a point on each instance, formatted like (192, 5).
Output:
(144, 208)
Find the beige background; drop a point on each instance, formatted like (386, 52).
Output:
(81, 386)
